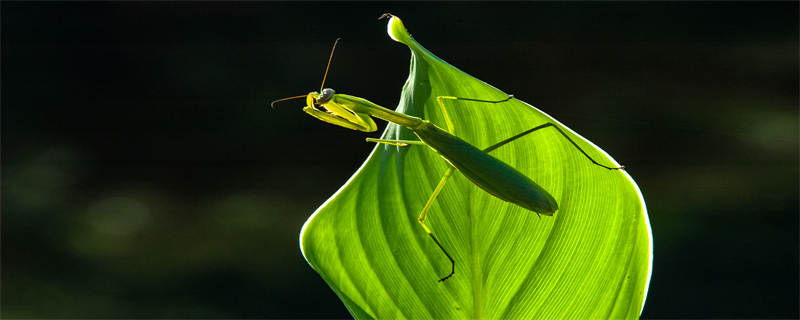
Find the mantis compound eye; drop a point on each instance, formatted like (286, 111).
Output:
(326, 95)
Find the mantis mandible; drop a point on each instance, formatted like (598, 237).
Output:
(487, 172)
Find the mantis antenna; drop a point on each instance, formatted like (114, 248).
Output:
(329, 65)
(284, 99)
(323, 78)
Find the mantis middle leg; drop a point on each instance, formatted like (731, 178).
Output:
(445, 177)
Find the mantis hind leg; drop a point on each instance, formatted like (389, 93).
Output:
(447, 117)
(504, 142)
(548, 125)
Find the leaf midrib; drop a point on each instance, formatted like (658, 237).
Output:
(478, 300)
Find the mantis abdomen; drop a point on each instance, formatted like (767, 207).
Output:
(487, 172)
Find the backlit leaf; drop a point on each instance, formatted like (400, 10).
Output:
(592, 259)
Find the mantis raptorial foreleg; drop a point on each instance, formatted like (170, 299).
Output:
(399, 143)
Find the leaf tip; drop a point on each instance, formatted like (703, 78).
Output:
(395, 28)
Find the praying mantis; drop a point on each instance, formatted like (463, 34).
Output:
(487, 172)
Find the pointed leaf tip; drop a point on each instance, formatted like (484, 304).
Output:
(396, 29)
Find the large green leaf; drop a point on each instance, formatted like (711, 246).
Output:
(591, 260)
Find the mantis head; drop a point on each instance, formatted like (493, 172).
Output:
(334, 108)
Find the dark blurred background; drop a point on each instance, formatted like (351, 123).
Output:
(144, 174)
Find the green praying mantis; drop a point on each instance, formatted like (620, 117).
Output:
(487, 172)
